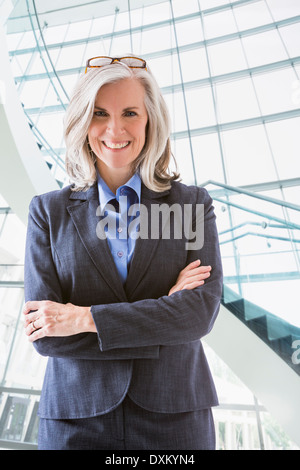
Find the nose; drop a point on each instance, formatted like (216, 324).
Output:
(115, 126)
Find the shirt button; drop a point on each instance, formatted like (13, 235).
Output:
(120, 254)
(119, 229)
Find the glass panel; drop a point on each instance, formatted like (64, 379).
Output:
(200, 107)
(52, 126)
(219, 24)
(264, 48)
(121, 21)
(137, 16)
(194, 65)
(292, 194)
(176, 108)
(18, 418)
(71, 57)
(226, 57)
(252, 15)
(27, 40)
(93, 49)
(120, 45)
(14, 41)
(12, 239)
(19, 64)
(182, 152)
(11, 300)
(165, 69)
(277, 83)
(69, 82)
(55, 34)
(207, 4)
(236, 419)
(37, 65)
(13, 418)
(291, 37)
(102, 26)
(189, 32)
(153, 13)
(32, 95)
(78, 29)
(284, 140)
(26, 366)
(236, 100)
(153, 41)
(207, 157)
(281, 10)
(276, 297)
(181, 8)
(248, 158)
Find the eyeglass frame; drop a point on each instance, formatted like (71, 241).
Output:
(113, 60)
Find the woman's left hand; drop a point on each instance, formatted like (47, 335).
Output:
(193, 275)
(47, 318)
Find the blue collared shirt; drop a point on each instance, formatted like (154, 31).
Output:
(117, 220)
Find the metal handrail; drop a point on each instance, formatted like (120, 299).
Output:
(258, 224)
(261, 214)
(239, 190)
(263, 235)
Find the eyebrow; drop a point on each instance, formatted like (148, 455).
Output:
(126, 109)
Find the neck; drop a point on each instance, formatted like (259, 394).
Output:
(114, 178)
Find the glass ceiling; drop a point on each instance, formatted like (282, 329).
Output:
(229, 72)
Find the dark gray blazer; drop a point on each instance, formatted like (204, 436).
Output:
(147, 343)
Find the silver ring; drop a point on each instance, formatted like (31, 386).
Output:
(33, 326)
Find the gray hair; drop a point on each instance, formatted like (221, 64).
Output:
(154, 159)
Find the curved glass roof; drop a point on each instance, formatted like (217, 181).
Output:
(229, 72)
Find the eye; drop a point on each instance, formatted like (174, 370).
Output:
(100, 113)
(130, 113)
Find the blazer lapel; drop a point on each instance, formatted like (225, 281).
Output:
(83, 211)
(145, 247)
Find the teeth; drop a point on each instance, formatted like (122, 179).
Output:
(118, 145)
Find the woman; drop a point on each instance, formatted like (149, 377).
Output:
(116, 298)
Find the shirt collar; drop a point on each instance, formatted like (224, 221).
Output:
(106, 194)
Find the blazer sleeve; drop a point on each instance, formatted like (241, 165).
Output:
(41, 282)
(182, 317)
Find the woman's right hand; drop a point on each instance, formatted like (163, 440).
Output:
(193, 275)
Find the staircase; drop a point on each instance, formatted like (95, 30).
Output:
(277, 333)
(257, 332)
(260, 246)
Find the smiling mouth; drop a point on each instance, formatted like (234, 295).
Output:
(116, 145)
